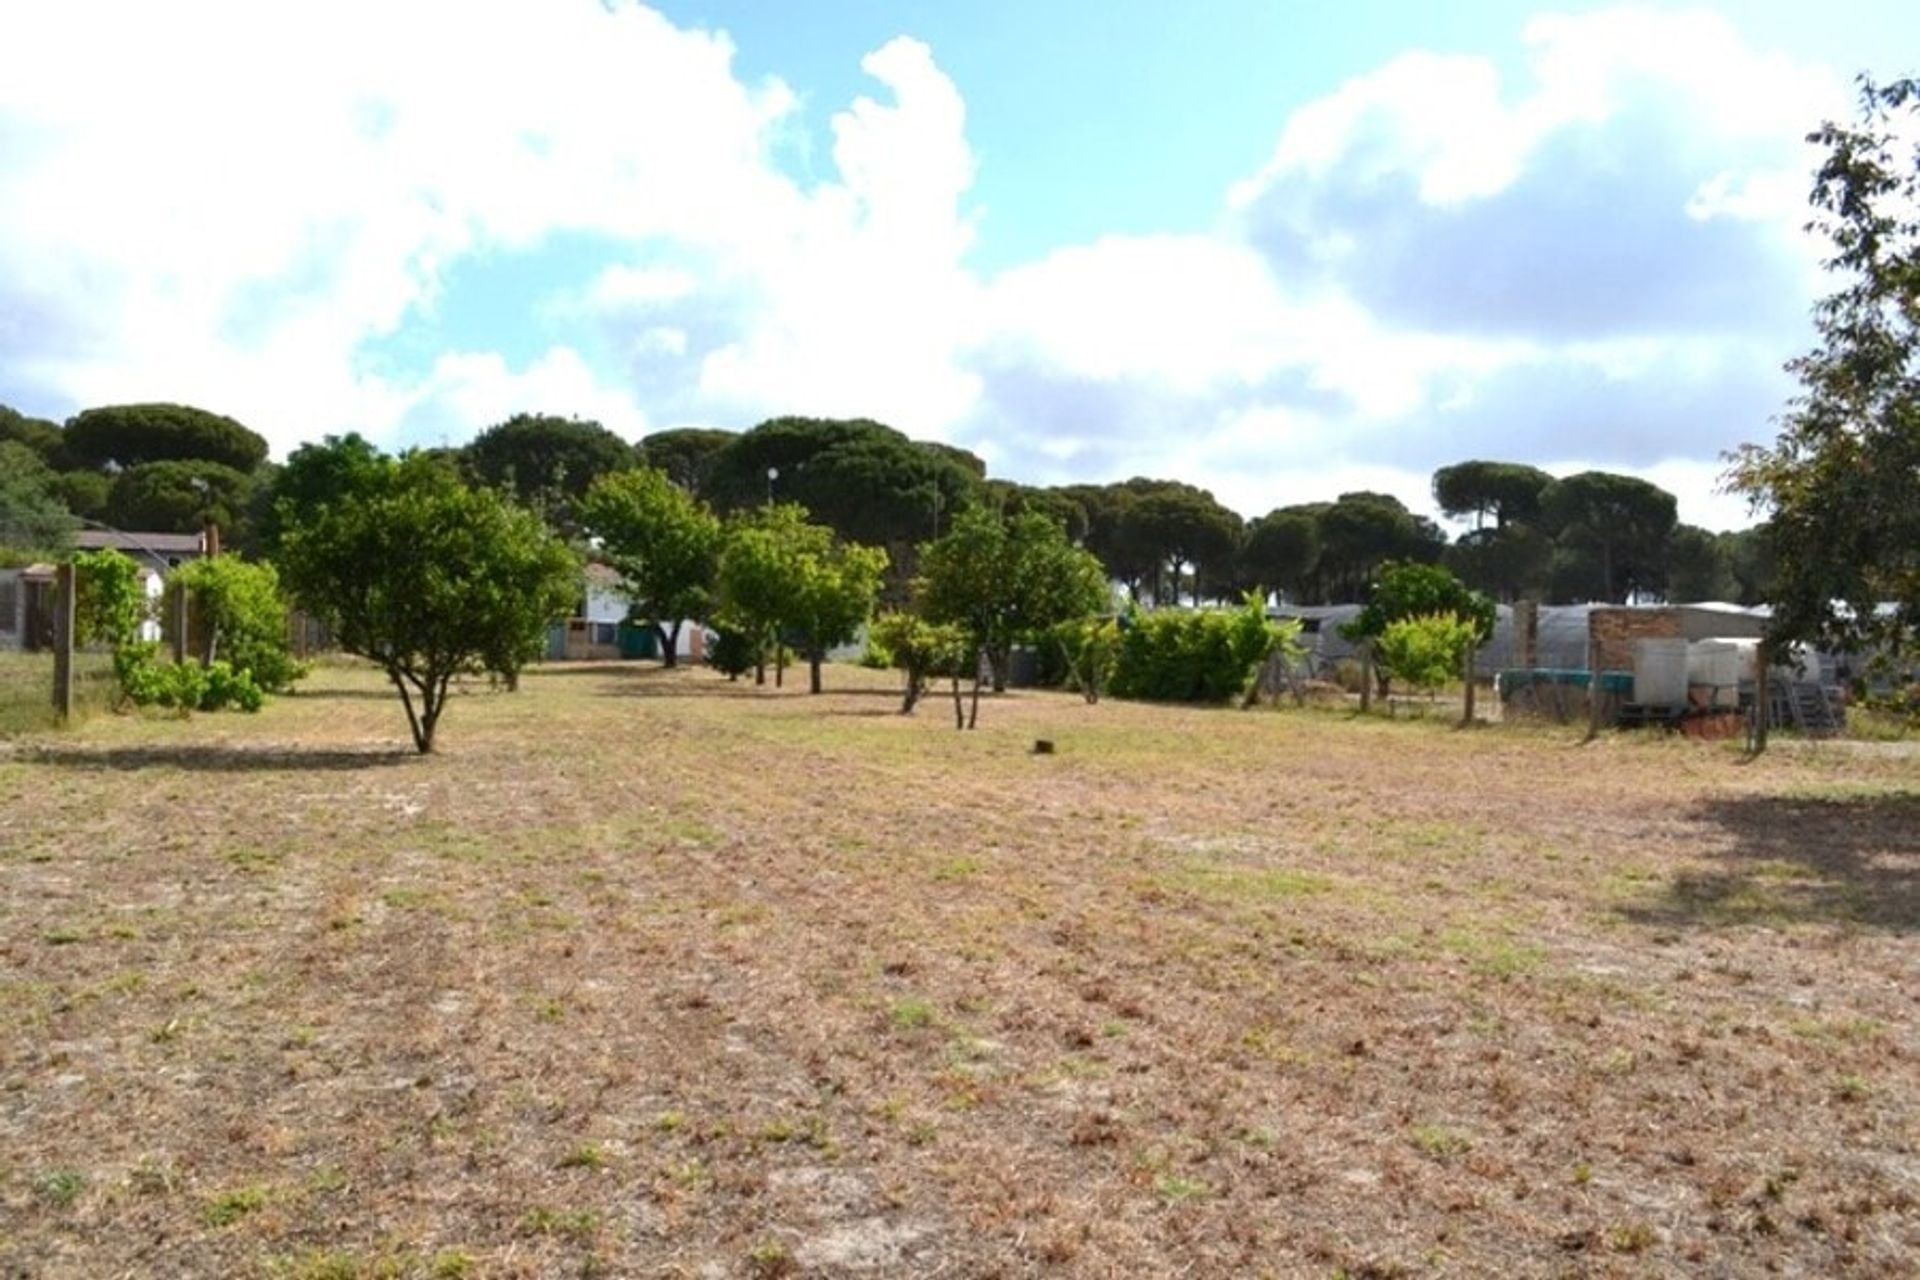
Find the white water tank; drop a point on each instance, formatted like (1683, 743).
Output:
(1660, 671)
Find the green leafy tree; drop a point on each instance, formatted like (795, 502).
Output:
(547, 463)
(1610, 532)
(1186, 529)
(127, 435)
(1509, 492)
(1427, 650)
(1361, 531)
(32, 517)
(664, 543)
(1112, 536)
(85, 493)
(429, 579)
(1697, 566)
(782, 577)
(833, 597)
(1839, 482)
(1508, 562)
(1005, 580)
(178, 497)
(243, 617)
(1282, 550)
(866, 482)
(923, 650)
(687, 454)
(37, 434)
(1408, 590)
(314, 477)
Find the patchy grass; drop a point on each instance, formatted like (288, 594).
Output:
(653, 973)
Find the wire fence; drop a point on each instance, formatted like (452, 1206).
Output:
(26, 689)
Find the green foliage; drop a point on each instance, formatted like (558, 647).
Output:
(429, 579)
(547, 463)
(1175, 655)
(1509, 492)
(920, 649)
(110, 605)
(1838, 482)
(32, 515)
(783, 577)
(1426, 650)
(184, 686)
(1146, 532)
(37, 434)
(129, 435)
(1282, 550)
(1362, 531)
(315, 476)
(1416, 590)
(242, 601)
(109, 601)
(177, 496)
(867, 482)
(687, 454)
(1091, 649)
(1007, 580)
(85, 493)
(663, 541)
(1611, 533)
(733, 653)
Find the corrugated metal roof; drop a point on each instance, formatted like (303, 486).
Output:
(120, 540)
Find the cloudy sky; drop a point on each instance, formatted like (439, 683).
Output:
(1273, 248)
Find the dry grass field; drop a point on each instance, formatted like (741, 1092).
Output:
(650, 974)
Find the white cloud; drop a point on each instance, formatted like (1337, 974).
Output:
(235, 203)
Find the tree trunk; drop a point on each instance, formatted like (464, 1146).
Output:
(669, 643)
(1762, 698)
(1366, 676)
(1466, 715)
(1000, 657)
(973, 716)
(959, 704)
(814, 658)
(916, 688)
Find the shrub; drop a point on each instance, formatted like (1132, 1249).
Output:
(242, 602)
(732, 653)
(1191, 656)
(1090, 648)
(1428, 650)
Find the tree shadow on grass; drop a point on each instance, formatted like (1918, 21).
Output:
(1848, 860)
(215, 759)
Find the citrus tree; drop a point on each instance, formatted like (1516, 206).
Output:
(428, 579)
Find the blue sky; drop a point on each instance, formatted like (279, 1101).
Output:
(1278, 250)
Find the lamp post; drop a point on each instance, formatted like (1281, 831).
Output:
(773, 473)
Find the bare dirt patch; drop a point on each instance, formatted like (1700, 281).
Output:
(651, 974)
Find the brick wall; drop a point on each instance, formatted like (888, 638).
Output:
(1613, 631)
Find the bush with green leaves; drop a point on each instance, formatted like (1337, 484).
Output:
(1184, 655)
(1427, 650)
(732, 653)
(1090, 649)
(922, 650)
(241, 602)
(110, 604)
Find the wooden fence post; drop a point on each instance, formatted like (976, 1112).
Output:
(63, 618)
(1466, 717)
